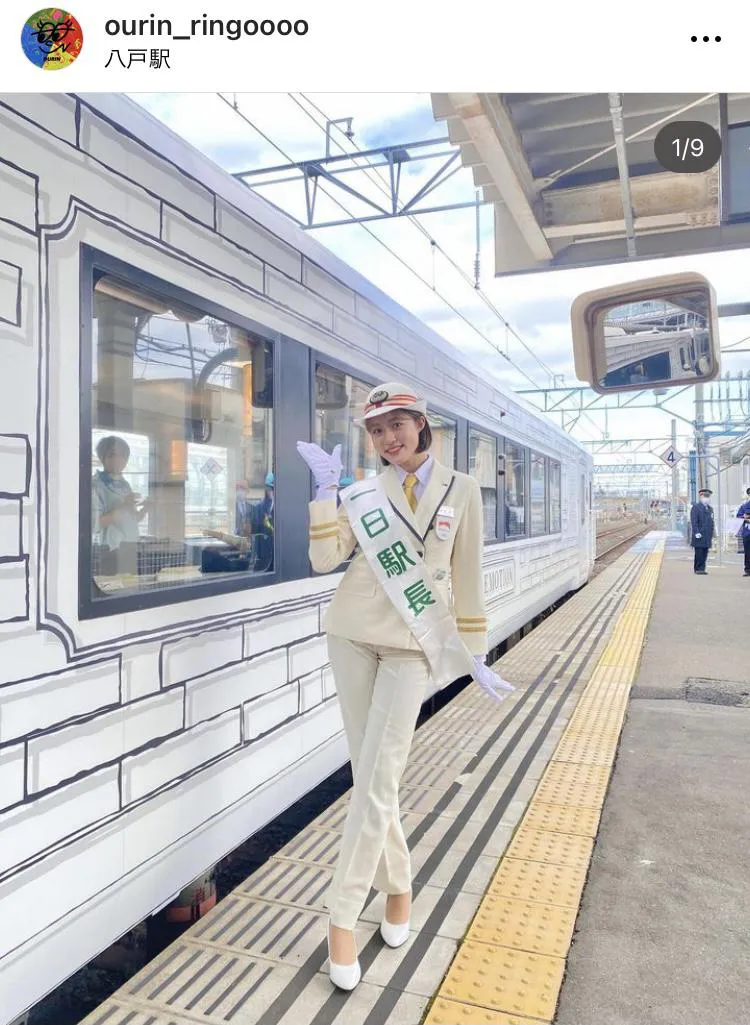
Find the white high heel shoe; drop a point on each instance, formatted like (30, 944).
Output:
(394, 934)
(343, 976)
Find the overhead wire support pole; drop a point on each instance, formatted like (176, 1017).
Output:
(343, 157)
(333, 167)
(297, 166)
(675, 481)
(314, 169)
(310, 199)
(338, 121)
(394, 175)
(390, 217)
(433, 182)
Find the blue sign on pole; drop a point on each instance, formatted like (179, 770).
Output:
(693, 476)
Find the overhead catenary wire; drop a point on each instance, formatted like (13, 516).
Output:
(381, 183)
(385, 245)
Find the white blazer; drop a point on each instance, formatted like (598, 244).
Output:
(361, 610)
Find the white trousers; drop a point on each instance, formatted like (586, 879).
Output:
(380, 691)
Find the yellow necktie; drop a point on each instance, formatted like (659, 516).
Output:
(410, 483)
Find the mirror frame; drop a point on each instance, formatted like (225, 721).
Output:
(589, 348)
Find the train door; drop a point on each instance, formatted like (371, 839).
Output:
(586, 532)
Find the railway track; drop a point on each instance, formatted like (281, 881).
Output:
(610, 541)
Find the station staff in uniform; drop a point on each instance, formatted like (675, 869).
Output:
(380, 669)
(701, 530)
(743, 513)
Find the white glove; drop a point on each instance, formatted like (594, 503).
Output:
(698, 535)
(490, 682)
(325, 468)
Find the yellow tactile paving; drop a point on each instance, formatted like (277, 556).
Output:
(537, 881)
(512, 960)
(524, 924)
(601, 707)
(599, 688)
(583, 775)
(558, 818)
(603, 739)
(614, 714)
(603, 729)
(451, 1012)
(552, 848)
(611, 676)
(585, 752)
(570, 794)
(504, 979)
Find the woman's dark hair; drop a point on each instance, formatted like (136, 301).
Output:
(425, 435)
(111, 444)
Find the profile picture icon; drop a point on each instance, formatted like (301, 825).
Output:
(52, 39)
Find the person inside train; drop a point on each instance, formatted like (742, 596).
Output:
(260, 522)
(254, 526)
(701, 530)
(390, 627)
(242, 509)
(117, 510)
(743, 513)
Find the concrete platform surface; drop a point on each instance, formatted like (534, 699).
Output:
(663, 934)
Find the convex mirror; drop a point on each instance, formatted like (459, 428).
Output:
(656, 333)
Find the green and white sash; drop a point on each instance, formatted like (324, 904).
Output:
(401, 572)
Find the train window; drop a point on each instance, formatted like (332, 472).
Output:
(444, 431)
(182, 484)
(483, 468)
(538, 494)
(515, 490)
(555, 484)
(339, 398)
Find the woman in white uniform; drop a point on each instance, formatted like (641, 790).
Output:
(392, 623)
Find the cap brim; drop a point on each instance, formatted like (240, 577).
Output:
(418, 407)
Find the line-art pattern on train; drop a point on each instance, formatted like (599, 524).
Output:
(166, 337)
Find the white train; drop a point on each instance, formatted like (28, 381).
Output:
(655, 355)
(163, 694)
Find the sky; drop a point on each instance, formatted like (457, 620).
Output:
(537, 306)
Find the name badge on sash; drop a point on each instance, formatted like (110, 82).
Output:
(444, 522)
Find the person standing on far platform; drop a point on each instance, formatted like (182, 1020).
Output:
(743, 513)
(701, 530)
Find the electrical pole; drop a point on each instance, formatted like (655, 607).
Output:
(699, 439)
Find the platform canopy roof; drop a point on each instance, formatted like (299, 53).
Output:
(574, 180)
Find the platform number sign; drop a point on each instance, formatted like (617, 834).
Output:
(671, 457)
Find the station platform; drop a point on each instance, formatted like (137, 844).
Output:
(502, 808)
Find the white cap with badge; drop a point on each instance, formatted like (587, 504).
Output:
(389, 396)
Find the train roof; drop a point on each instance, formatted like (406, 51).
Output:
(127, 116)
